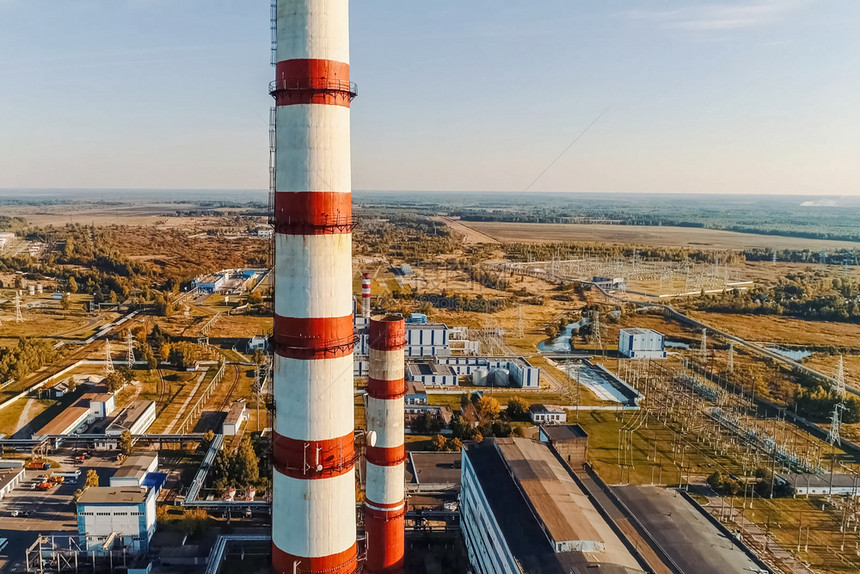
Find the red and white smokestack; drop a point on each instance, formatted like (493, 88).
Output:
(385, 500)
(313, 506)
(365, 295)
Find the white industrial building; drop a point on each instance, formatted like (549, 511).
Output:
(636, 343)
(85, 411)
(134, 470)
(520, 512)
(237, 415)
(432, 375)
(805, 484)
(548, 414)
(124, 514)
(137, 417)
(9, 479)
(519, 372)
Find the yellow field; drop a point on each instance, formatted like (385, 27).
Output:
(645, 235)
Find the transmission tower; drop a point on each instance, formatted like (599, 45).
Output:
(18, 316)
(703, 349)
(595, 328)
(108, 361)
(839, 385)
(731, 366)
(835, 424)
(129, 350)
(520, 329)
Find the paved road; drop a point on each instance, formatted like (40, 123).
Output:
(695, 544)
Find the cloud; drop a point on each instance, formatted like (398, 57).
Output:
(721, 15)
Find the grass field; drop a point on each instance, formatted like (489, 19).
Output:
(645, 235)
(783, 330)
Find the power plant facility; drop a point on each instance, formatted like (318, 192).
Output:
(423, 383)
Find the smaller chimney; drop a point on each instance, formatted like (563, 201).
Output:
(365, 295)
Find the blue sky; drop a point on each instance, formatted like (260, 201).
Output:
(761, 96)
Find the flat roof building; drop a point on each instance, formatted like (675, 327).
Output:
(636, 343)
(9, 479)
(136, 418)
(431, 374)
(116, 515)
(134, 469)
(237, 415)
(547, 414)
(521, 512)
(77, 415)
(569, 441)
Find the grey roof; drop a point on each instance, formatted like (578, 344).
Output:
(541, 408)
(419, 369)
(235, 414)
(522, 481)
(564, 432)
(798, 480)
(434, 467)
(415, 388)
(129, 415)
(638, 331)
(135, 466)
(7, 476)
(113, 495)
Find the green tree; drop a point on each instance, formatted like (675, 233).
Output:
(92, 478)
(488, 407)
(517, 408)
(246, 465)
(255, 298)
(115, 381)
(126, 442)
(73, 285)
(66, 301)
(440, 443)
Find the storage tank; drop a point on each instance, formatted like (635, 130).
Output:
(479, 377)
(500, 377)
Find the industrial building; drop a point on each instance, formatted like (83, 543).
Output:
(805, 484)
(636, 343)
(570, 442)
(134, 470)
(9, 479)
(432, 375)
(236, 416)
(509, 371)
(228, 281)
(84, 411)
(547, 414)
(521, 511)
(136, 418)
(116, 514)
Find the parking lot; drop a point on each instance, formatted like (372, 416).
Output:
(27, 511)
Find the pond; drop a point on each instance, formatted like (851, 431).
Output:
(560, 344)
(793, 354)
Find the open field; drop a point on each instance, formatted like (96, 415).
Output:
(644, 235)
(782, 330)
(162, 215)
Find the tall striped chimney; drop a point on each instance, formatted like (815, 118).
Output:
(385, 501)
(313, 506)
(365, 295)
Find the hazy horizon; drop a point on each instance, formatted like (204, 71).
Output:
(725, 97)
